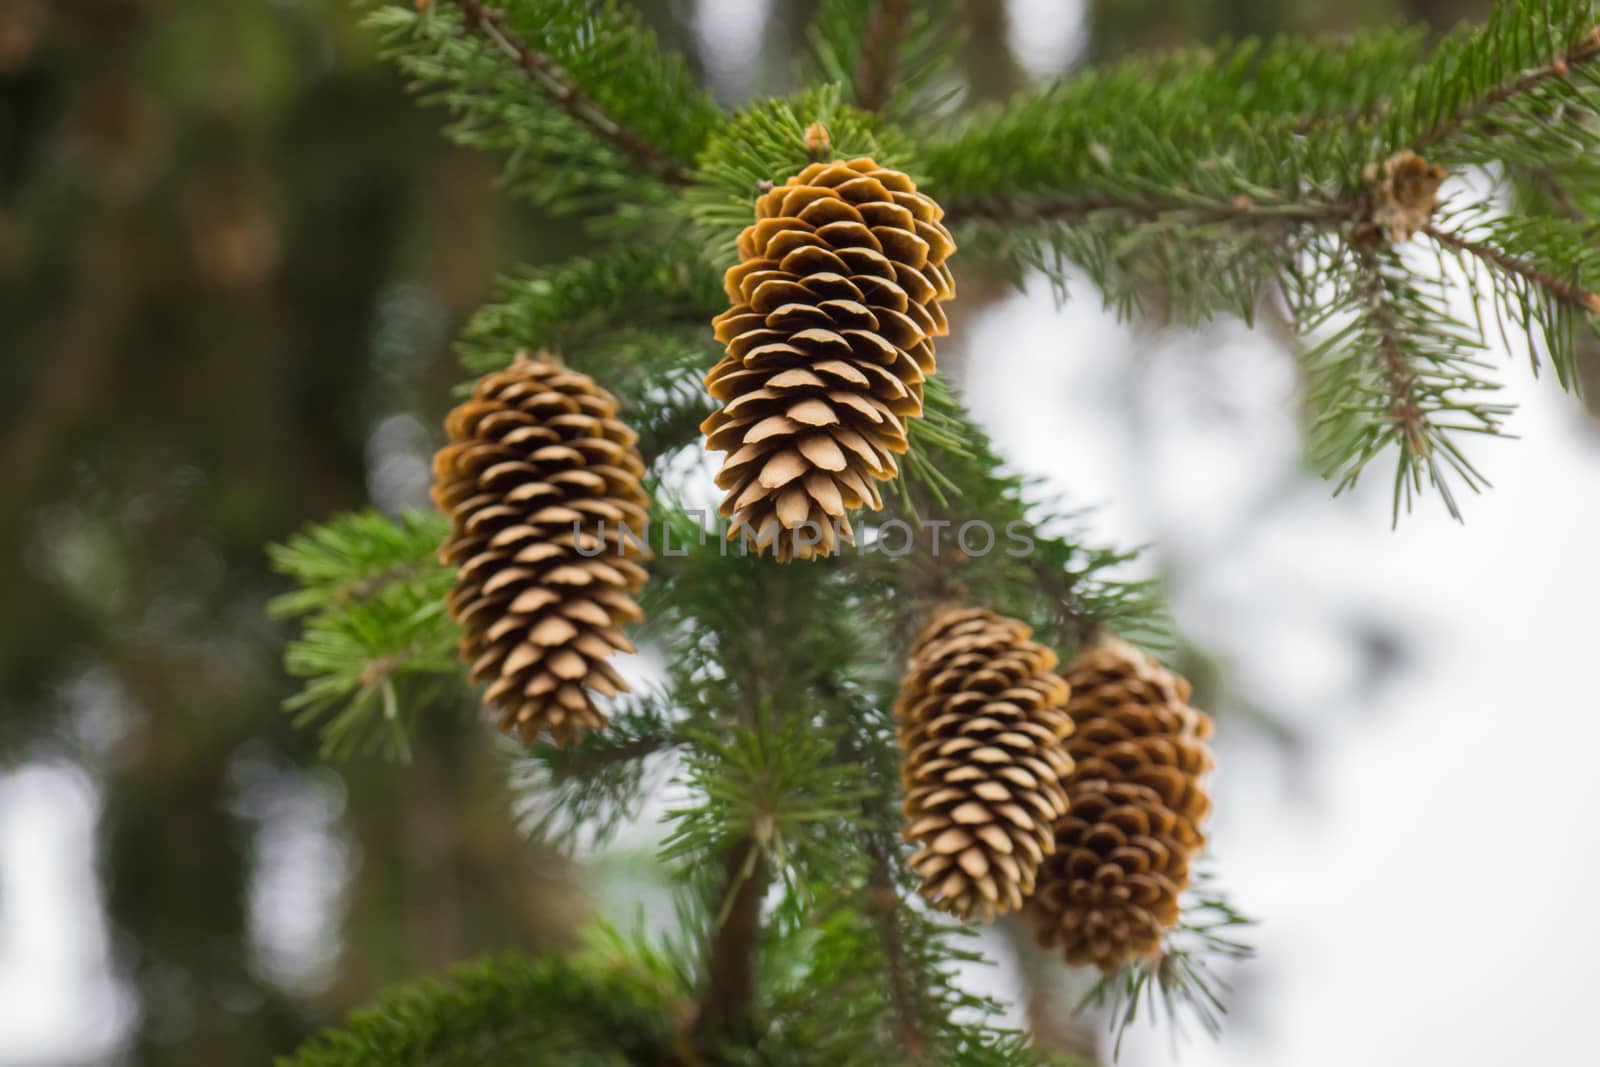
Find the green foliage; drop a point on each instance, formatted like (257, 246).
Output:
(766, 143)
(1041, 567)
(589, 789)
(633, 317)
(1533, 272)
(608, 53)
(1498, 93)
(578, 308)
(901, 51)
(1400, 373)
(592, 1009)
(1182, 204)
(352, 557)
(376, 643)
(560, 141)
(1246, 173)
(777, 782)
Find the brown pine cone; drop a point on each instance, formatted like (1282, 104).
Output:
(980, 719)
(830, 337)
(541, 482)
(1110, 891)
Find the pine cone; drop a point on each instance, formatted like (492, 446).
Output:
(980, 718)
(835, 305)
(1122, 852)
(540, 480)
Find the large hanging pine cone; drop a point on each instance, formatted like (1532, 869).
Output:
(980, 718)
(1122, 852)
(540, 480)
(835, 305)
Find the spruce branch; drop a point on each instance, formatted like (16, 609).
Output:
(354, 557)
(1584, 51)
(492, 24)
(1399, 380)
(589, 789)
(589, 308)
(1400, 373)
(880, 53)
(895, 57)
(1573, 296)
(374, 627)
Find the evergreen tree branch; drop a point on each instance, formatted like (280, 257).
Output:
(354, 557)
(612, 314)
(1065, 588)
(554, 82)
(1584, 51)
(590, 788)
(896, 57)
(880, 53)
(1573, 296)
(1404, 407)
(1401, 372)
(580, 761)
(371, 592)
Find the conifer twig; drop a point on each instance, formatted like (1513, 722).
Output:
(1585, 51)
(1398, 377)
(371, 585)
(578, 761)
(560, 87)
(880, 54)
(1397, 373)
(885, 899)
(1568, 294)
(1551, 186)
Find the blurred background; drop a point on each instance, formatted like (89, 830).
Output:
(232, 258)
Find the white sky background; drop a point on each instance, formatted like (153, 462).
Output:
(1423, 871)
(1424, 875)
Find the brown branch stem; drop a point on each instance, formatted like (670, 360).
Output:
(1571, 295)
(564, 91)
(880, 54)
(885, 900)
(1398, 376)
(578, 762)
(729, 990)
